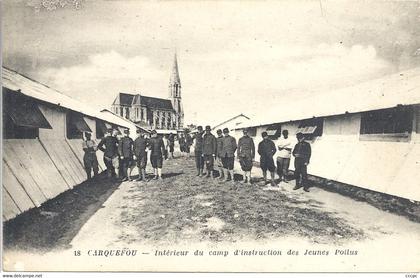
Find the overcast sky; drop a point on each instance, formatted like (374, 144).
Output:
(234, 56)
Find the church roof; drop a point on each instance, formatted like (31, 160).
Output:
(151, 102)
(157, 103)
(123, 99)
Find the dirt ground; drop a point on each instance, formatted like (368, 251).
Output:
(183, 209)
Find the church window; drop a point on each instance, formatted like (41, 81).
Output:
(127, 113)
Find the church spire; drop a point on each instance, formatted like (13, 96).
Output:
(175, 95)
(175, 74)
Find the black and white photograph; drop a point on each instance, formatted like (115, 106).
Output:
(210, 136)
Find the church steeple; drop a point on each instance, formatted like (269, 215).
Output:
(175, 74)
(175, 94)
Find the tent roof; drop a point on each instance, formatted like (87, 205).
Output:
(19, 83)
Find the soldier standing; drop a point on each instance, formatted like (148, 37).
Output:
(89, 159)
(283, 159)
(219, 141)
(166, 146)
(188, 143)
(246, 154)
(139, 148)
(171, 141)
(181, 142)
(228, 154)
(198, 151)
(109, 145)
(209, 151)
(157, 149)
(267, 149)
(125, 150)
(302, 154)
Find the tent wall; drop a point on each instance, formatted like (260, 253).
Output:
(36, 170)
(339, 154)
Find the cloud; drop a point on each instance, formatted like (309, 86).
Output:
(103, 75)
(246, 79)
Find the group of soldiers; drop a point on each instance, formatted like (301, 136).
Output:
(122, 154)
(221, 150)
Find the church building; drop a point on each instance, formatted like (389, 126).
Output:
(152, 112)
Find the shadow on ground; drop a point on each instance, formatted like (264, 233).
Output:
(56, 222)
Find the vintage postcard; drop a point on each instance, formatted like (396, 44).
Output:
(211, 136)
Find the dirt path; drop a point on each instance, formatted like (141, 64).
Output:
(186, 212)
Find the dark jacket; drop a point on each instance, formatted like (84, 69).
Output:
(219, 149)
(125, 147)
(181, 141)
(188, 140)
(228, 146)
(139, 146)
(198, 142)
(111, 146)
(156, 146)
(246, 147)
(266, 148)
(209, 144)
(171, 140)
(302, 150)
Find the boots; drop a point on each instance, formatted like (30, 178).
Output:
(221, 173)
(265, 177)
(142, 175)
(249, 178)
(273, 183)
(232, 176)
(225, 175)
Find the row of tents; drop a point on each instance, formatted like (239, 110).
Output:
(42, 138)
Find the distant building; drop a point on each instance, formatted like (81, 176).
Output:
(152, 112)
(232, 123)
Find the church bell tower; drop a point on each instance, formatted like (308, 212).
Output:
(175, 94)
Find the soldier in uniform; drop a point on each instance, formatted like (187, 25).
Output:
(125, 150)
(140, 153)
(219, 141)
(284, 145)
(157, 149)
(209, 151)
(198, 151)
(181, 142)
(228, 154)
(171, 141)
(89, 158)
(188, 143)
(302, 154)
(165, 145)
(267, 149)
(109, 145)
(246, 154)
